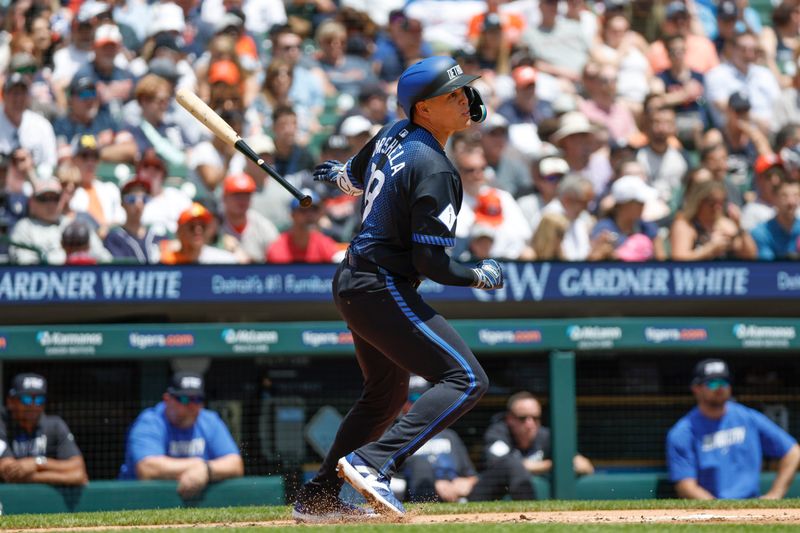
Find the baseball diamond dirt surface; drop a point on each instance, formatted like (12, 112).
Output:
(597, 517)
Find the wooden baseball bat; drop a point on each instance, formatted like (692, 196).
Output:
(194, 105)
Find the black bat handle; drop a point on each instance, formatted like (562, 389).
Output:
(248, 152)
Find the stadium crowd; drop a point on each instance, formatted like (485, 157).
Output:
(626, 130)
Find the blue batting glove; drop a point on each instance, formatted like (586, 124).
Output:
(334, 172)
(488, 275)
(328, 171)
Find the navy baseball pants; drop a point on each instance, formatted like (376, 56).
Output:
(396, 333)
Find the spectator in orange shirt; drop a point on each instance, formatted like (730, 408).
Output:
(512, 24)
(190, 245)
(701, 54)
(303, 242)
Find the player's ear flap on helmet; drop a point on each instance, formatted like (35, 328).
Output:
(477, 109)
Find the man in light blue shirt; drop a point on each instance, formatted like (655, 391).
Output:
(779, 237)
(179, 439)
(716, 450)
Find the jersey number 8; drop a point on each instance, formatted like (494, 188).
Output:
(374, 186)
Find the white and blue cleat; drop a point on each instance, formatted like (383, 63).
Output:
(371, 484)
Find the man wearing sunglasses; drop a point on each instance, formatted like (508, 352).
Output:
(716, 450)
(179, 439)
(36, 447)
(134, 241)
(517, 446)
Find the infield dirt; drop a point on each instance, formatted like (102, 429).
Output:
(644, 516)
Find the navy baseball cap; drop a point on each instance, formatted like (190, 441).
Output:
(83, 87)
(28, 383)
(727, 10)
(739, 102)
(187, 384)
(676, 8)
(709, 369)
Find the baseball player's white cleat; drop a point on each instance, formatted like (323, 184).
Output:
(373, 485)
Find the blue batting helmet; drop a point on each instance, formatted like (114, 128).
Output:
(435, 76)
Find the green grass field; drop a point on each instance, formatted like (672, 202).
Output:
(253, 518)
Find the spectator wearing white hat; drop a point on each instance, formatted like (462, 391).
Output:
(577, 140)
(357, 129)
(166, 17)
(114, 84)
(623, 235)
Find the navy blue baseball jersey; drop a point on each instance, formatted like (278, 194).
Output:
(412, 194)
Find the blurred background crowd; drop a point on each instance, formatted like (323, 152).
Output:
(628, 130)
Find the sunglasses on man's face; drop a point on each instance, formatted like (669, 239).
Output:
(30, 399)
(524, 418)
(715, 384)
(131, 199)
(47, 198)
(185, 399)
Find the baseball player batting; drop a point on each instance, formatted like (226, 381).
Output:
(410, 197)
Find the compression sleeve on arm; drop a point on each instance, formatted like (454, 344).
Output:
(432, 262)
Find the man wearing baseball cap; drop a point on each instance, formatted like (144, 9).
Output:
(411, 194)
(36, 447)
(182, 440)
(22, 129)
(114, 84)
(611, 235)
(85, 116)
(195, 226)
(251, 231)
(716, 450)
(548, 174)
(133, 241)
(768, 173)
(303, 242)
